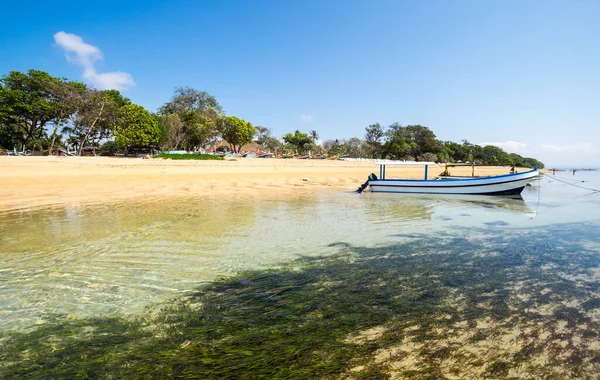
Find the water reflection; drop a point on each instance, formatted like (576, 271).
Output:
(117, 259)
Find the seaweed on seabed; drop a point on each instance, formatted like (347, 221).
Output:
(514, 307)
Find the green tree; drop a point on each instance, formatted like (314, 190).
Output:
(26, 105)
(67, 95)
(334, 147)
(96, 116)
(373, 138)
(272, 144)
(492, 155)
(300, 141)
(526, 162)
(136, 127)
(355, 148)
(198, 112)
(172, 131)
(424, 138)
(235, 131)
(263, 134)
(188, 99)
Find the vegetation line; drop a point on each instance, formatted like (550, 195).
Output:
(39, 112)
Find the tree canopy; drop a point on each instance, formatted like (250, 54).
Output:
(136, 127)
(235, 131)
(299, 141)
(40, 111)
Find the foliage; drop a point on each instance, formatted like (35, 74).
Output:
(172, 131)
(188, 156)
(235, 131)
(492, 155)
(26, 105)
(272, 144)
(96, 116)
(373, 138)
(136, 127)
(526, 162)
(266, 140)
(110, 148)
(410, 141)
(35, 104)
(301, 142)
(186, 99)
(197, 113)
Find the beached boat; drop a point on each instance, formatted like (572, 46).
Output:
(508, 184)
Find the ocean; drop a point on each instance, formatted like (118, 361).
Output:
(315, 286)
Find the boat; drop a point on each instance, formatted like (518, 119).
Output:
(507, 184)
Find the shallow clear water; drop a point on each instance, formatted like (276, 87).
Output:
(77, 262)
(82, 261)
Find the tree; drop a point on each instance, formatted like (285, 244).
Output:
(493, 155)
(300, 141)
(66, 93)
(373, 138)
(314, 135)
(235, 131)
(262, 133)
(27, 105)
(424, 138)
(198, 112)
(526, 162)
(355, 147)
(188, 99)
(96, 116)
(200, 128)
(172, 131)
(136, 127)
(271, 143)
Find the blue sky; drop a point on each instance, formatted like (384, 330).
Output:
(524, 75)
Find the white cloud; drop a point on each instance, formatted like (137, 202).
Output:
(85, 55)
(509, 146)
(306, 118)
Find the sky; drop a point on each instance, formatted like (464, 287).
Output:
(522, 75)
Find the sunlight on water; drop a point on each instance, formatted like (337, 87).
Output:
(472, 286)
(81, 261)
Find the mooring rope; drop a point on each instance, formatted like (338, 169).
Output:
(571, 184)
(565, 179)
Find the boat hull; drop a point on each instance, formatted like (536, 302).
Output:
(510, 184)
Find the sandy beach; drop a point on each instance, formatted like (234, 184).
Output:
(32, 182)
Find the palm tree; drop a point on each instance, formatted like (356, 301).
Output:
(314, 135)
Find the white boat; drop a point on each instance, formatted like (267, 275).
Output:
(508, 184)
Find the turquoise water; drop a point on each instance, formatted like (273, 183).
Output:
(72, 266)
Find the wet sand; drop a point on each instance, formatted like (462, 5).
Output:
(32, 182)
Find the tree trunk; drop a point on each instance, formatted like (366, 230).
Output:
(56, 125)
(91, 128)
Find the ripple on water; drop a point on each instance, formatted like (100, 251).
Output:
(93, 260)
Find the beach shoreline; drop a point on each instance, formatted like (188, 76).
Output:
(37, 182)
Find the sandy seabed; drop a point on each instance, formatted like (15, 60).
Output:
(32, 182)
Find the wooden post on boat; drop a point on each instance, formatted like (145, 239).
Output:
(472, 169)
(426, 170)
